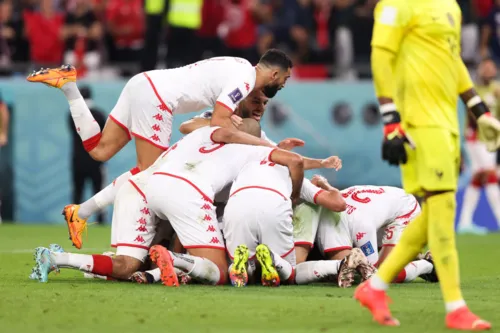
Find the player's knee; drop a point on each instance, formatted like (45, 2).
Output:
(124, 266)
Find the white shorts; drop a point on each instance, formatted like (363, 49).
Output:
(190, 211)
(256, 216)
(305, 223)
(480, 158)
(133, 226)
(142, 112)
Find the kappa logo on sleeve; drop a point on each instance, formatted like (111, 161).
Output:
(235, 95)
(367, 248)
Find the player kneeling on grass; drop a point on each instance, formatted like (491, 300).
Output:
(375, 218)
(134, 223)
(197, 169)
(259, 211)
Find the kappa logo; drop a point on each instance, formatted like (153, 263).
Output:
(139, 239)
(247, 87)
(215, 240)
(207, 218)
(142, 229)
(158, 117)
(142, 221)
(155, 138)
(206, 207)
(360, 235)
(163, 107)
(145, 210)
(211, 228)
(156, 127)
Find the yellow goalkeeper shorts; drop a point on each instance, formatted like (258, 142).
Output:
(435, 162)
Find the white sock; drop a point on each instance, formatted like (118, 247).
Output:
(198, 268)
(493, 196)
(83, 262)
(85, 124)
(452, 306)
(284, 268)
(105, 197)
(471, 198)
(314, 271)
(417, 268)
(155, 273)
(377, 283)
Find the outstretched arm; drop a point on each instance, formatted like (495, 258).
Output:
(332, 162)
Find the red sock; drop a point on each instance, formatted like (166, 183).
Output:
(291, 278)
(103, 265)
(401, 277)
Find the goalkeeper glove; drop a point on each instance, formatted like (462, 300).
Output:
(393, 146)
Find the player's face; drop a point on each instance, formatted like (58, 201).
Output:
(253, 106)
(278, 81)
(487, 70)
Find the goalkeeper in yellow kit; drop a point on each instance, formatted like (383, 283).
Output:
(418, 75)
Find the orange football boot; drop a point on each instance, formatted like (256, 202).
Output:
(377, 302)
(162, 258)
(76, 225)
(54, 77)
(463, 319)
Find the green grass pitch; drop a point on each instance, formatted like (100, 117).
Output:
(70, 303)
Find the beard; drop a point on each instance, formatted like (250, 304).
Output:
(271, 90)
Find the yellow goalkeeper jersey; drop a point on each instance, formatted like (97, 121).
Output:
(429, 73)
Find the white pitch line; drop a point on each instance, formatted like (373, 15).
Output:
(23, 251)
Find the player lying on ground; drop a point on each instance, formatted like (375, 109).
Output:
(417, 69)
(257, 224)
(482, 161)
(374, 220)
(198, 168)
(146, 107)
(133, 225)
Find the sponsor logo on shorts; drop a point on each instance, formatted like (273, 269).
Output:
(207, 218)
(215, 240)
(155, 138)
(211, 228)
(163, 107)
(145, 210)
(206, 207)
(158, 117)
(139, 239)
(367, 248)
(142, 229)
(235, 95)
(142, 221)
(156, 127)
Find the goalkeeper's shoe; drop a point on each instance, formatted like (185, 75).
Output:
(44, 264)
(463, 319)
(76, 224)
(432, 276)
(238, 273)
(377, 302)
(54, 77)
(162, 258)
(270, 276)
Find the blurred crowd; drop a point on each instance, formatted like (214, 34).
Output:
(120, 37)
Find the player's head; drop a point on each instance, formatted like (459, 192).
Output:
(275, 65)
(250, 126)
(253, 106)
(487, 70)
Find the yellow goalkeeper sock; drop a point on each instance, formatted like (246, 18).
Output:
(411, 243)
(442, 244)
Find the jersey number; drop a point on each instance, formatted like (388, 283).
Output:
(355, 196)
(209, 149)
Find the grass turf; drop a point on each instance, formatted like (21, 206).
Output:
(68, 302)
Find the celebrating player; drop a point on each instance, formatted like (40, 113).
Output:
(482, 162)
(133, 225)
(417, 70)
(197, 169)
(146, 107)
(374, 219)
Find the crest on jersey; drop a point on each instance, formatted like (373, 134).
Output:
(367, 248)
(235, 95)
(450, 19)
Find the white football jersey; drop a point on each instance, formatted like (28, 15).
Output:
(209, 165)
(192, 88)
(375, 204)
(208, 115)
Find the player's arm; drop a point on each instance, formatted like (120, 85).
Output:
(330, 199)
(228, 100)
(231, 135)
(193, 124)
(332, 162)
(294, 163)
(489, 127)
(4, 120)
(392, 19)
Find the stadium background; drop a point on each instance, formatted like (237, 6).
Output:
(329, 102)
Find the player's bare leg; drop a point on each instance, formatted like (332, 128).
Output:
(302, 251)
(119, 267)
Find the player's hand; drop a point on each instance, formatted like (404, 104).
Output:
(237, 121)
(318, 180)
(489, 131)
(332, 162)
(3, 139)
(395, 138)
(290, 143)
